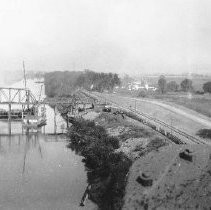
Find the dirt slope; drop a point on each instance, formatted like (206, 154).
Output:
(177, 183)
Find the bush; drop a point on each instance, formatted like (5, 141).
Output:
(172, 86)
(207, 87)
(142, 93)
(199, 92)
(107, 170)
(204, 133)
(186, 85)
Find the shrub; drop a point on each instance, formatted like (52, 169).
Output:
(204, 133)
(172, 86)
(186, 85)
(207, 87)
(142, 93)
(199, 92)
(107, 170)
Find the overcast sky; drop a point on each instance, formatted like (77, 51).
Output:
(123, 36)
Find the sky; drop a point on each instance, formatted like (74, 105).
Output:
(122, 36)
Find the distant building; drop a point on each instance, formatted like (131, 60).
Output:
(140, 85)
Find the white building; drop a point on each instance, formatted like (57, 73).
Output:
(140, 85)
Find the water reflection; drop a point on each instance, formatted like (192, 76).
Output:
(32, 140)
(55, 124)
(39, 172)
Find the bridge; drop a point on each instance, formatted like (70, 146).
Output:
(18, 96)
(21, 96)
(10, 96)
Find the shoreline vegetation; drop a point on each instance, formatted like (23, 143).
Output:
(109, 145)
(106, 170)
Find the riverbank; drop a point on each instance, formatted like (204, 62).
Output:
(109, 144)
(142, 156)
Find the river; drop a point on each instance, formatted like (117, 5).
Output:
(38, 171)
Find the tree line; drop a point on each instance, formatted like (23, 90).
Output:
(186, 85)
(64, 83)
(91, 80)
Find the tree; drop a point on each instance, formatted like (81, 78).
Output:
(126, 80)
(162, 84)
(207, 87)
(142, 93)
(186, 85)
(172, 86)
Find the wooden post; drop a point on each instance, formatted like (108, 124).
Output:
(55, 128)
(10, 140)
(9, 113)
(22, 114)
(68, 118)
(9, 127)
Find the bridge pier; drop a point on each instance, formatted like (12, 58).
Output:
(9, 127)
(22, 112)
(9, 112)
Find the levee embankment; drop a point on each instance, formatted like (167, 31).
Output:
(175, 175)
(109, 143)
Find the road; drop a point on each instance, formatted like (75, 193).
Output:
(186, 120)
(199, 118)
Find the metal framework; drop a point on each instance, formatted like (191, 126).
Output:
(16, 96)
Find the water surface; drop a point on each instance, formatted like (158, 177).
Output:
(40, 172)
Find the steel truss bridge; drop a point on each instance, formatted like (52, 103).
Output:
(21, 96)
(18, 96)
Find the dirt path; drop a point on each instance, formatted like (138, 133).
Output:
(183, 111)
(184, 119)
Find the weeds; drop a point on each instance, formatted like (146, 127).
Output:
(204, 133)
(135, 132)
